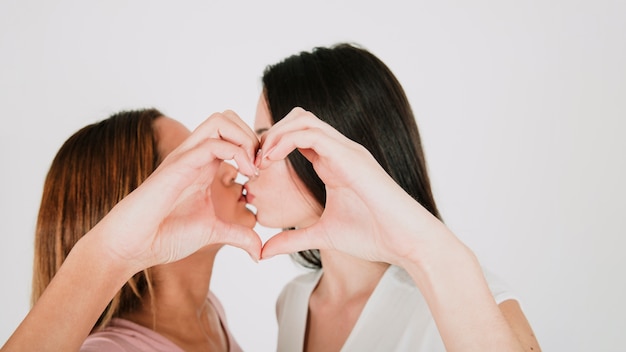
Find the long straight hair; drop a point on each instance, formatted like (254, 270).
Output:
(356, 93)
(94, 169)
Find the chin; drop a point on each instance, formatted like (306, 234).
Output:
(269, 222)
(248, 219)
(250, 223)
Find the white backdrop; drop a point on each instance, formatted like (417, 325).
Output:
(521, 105)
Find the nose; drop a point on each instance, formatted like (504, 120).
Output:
(229, 174)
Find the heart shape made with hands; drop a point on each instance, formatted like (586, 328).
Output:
(172, 215)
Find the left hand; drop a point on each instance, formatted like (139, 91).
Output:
(367, 214)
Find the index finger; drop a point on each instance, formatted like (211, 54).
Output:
(227, 127)
(297, 119)
(244, 126)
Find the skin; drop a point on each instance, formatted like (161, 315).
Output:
(370, 220)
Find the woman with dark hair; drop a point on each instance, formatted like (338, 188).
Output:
(356, 203)
(107, 233)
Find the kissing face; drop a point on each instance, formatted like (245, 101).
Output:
(229, 198)
(280, 197)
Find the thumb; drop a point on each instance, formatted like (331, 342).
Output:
(291, 241)
(244, 238)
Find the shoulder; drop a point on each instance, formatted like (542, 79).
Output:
(99, 343)
(124, 335)
(215, 302)
(397, 290)
(297, 287)
(302, 282)
(500, 289)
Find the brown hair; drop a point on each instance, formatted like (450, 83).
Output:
(94, 169)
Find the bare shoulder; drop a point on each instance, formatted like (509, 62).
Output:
(519, 324)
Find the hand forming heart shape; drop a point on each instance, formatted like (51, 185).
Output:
(367, 214)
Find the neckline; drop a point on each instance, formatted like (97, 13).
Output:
(365, 312)
(211, 299)
(125, 324)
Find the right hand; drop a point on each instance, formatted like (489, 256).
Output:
(171, 214)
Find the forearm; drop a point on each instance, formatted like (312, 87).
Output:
(71, 304)
(452, 282)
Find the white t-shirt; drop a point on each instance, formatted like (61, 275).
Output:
(395, 317)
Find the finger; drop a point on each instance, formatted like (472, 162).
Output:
(313, 142)
(220, 126)
(335, 162)
(301, 120)
(250, 142)
(292, 241)
(296, 119)
(216, 149)
(240, 237)
(313, 139)
(242, 124)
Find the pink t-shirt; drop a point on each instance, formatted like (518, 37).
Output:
(124, 335)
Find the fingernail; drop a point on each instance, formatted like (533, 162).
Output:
(266, 155)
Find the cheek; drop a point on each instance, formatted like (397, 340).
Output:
(281, 203)
(221, 203)
(224, 201)
(276, 188)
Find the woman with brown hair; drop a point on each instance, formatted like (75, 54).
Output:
(90, 213)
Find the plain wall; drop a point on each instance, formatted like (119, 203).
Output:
(521, 106)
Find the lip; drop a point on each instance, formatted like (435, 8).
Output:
(249, 197)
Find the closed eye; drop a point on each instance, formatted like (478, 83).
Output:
(260, 131)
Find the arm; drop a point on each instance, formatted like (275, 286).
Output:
(378, 221)
(466, 314)
(75, 298)
(521, 327)
(180, 220)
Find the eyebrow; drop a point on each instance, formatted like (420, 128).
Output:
(260, 131)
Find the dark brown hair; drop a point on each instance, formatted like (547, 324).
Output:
(356, 93)
(94, 169)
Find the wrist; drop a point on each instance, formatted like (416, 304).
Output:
(440, 256)
(95, 253)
